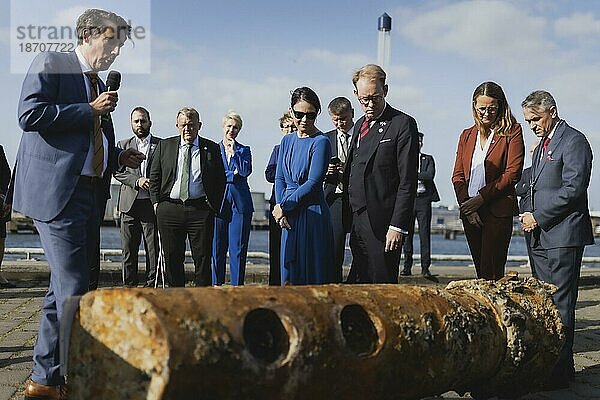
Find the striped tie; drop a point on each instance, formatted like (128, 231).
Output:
(98, 159)
(364, 128)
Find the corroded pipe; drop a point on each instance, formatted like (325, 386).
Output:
(319, 342)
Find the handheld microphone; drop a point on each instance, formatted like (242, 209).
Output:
(113, 81)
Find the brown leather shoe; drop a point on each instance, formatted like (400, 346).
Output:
(35, 391)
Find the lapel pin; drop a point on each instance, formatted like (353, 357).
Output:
(380, 130)
(383, 123)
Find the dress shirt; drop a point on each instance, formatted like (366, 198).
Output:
(88, 169)
(143, 146)
(371, 122)
(477, 177)
(196, 187)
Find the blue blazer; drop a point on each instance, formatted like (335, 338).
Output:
(56, 119)
(237, 190)
(559, 185)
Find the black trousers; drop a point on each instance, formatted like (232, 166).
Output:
(176, 222)
(370, 262)
(561, 267)
(274, 250)
(339, 237)
(138, 222)
(423, 216)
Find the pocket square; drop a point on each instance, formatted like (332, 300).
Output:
(549, 158)
(385, 140)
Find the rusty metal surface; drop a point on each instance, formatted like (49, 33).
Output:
(314, 342)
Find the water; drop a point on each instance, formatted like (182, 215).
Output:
(259, 241)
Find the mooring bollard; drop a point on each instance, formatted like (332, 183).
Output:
(314, 342)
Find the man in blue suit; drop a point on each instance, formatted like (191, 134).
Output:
(64, 163)
(559, 218)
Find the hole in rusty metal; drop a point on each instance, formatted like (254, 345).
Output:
(265, 336)
(358, 330)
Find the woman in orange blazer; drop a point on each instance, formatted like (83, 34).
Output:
(489, 162)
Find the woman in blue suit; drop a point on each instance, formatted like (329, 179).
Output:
(232, 226)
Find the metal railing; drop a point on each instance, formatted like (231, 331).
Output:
(31, 252)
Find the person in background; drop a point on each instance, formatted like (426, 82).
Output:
(342, 115)
(137, 215)
(187, 182)
(233, 223)
(381, 180)
(426, 194)
(5, 210)
(489, 161)
(559, 218)
(64, 164)
(300, 209)
(286, 126)
(523, 191)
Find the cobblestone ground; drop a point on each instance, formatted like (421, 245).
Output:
(20, 310)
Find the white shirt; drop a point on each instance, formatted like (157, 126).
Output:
(477, 177)
(143, 146)
(343, 146)
(550, 137)
(88, 168)
(196, 189)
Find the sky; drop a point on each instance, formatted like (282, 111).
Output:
(247, 56)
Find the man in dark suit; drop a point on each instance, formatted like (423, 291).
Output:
(342, 115)
(64, 162)
(381, 180)
(523, 191)
(5, 210)
(137, 214)
(187, 183)
(426, 194)
(559, 218)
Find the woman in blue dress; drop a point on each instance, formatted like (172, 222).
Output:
(300, 209)
(232, 225)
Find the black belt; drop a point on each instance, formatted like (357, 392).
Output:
(91, 180)
(191, 202)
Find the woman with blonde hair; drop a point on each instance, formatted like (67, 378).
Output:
(233, 223)
(489, 162)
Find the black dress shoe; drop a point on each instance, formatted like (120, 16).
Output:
(405, 272)
(426, 273)
(7, 285)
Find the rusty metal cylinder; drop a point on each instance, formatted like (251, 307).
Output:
(314, 342)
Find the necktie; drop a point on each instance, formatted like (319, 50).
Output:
(98, 158)
(184, 188)
(364, 128)
(546, 143)
(344, 144)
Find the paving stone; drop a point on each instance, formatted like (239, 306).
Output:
(6, 392)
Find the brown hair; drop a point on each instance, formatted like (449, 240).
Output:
(505, 119)
(371, 71)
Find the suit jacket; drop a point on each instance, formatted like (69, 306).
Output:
(237, 189)
(390, 177)
(270, 171)
(57, 122)
(4, 172)
(426, 175)
(503, 167)
(164, 169)
(559, 189)
(523, 190)
(331, 182)
(129, 176)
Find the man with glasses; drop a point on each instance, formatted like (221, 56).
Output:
(187, 183)
(381, 180)
(342, 115)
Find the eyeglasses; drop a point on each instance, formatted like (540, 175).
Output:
(489, 110)
(309, 115)
(290, 126)
(376, 98)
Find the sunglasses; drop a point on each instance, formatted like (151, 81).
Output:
(309, 115)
